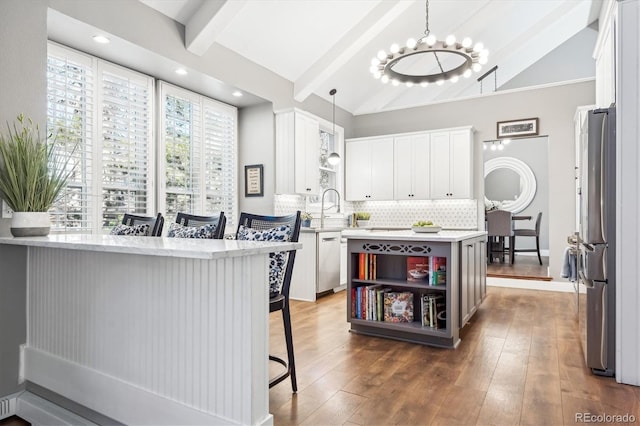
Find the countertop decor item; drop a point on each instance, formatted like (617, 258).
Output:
(426, 229)
(34, 171)
(305, 218)
(451, 59)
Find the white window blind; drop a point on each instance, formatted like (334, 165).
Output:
(197, 153)
(70, 116)
(126, 136)
(108, 111)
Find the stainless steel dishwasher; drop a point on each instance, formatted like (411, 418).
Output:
(328, 270)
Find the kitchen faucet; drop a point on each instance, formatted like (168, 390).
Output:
(322, 205)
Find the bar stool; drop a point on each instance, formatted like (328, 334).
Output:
(194, 226)
(276, 228)
(140, 225)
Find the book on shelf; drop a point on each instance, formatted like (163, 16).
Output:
(432, 305)
(367, 266)
(417, 269)
(398, 306)
(438, 269)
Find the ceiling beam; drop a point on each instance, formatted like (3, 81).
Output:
(206, 24)
(352, 42)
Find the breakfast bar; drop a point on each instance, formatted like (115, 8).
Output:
(148, 330)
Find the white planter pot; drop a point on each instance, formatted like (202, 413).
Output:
(30, 224)
(363, 223)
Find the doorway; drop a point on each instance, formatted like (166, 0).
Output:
(517, 179)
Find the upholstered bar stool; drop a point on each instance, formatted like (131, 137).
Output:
(276, 228)
(140, 225)
(194, 226)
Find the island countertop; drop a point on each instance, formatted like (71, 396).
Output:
(154, 246)
(408, 235)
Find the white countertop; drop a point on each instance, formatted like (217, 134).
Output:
(153, 246)
(408, 235)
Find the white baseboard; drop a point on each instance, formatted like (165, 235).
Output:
(39, 411)
(562, 286)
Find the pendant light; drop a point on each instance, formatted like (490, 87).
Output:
(334, 157)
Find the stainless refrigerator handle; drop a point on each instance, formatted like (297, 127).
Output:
(603, 330)
(603, 183)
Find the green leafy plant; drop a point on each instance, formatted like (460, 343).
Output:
(306, 216)
(363, 216)
(33, 170)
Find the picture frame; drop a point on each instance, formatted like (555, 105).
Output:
(517, 128)
(253, 180)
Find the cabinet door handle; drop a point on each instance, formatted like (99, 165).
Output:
(330, 239)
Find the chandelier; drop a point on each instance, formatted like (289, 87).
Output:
(461, 58)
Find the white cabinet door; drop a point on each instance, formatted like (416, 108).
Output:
(303, 278)
(369, 169)
(411, 167)
(461, 157)
(357, 171)
(439, 164)
(381, 169)
(307, 149)
(451, 164)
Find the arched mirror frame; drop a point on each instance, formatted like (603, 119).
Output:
(527, 180)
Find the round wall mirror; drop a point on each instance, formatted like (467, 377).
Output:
(508, 183)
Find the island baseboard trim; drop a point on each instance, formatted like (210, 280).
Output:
(105, 394)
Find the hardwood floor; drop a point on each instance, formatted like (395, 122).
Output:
(519, 363)
(524, 267)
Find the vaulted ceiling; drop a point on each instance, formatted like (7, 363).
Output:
(324, 44)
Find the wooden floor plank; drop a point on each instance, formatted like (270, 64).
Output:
(519, 362)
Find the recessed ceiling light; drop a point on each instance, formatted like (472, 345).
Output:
(101, 39)
(237, 93)
(181, 71)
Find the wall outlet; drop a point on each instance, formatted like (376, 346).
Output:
(6, 212)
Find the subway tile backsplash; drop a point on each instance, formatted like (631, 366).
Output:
(450, 214)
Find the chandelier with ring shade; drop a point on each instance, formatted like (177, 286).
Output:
(421, 61)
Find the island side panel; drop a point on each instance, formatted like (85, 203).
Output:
(153, 340)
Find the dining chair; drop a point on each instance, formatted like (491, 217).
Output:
(276, 228)
(140, 225)
(499, 227)
(529, 233)
(194, 226)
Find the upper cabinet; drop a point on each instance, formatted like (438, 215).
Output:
(605, 56)
(411, 167)
(369, 169)
(303, 142)
(451, 163)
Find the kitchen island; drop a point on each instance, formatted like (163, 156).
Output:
(417, 287)
(148, 330)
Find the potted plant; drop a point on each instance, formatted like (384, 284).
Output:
(305, 218)
(362, 218)
(33, 173)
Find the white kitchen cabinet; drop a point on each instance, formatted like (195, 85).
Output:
(303, 278)
(297, 151)
(451, 164)
(369, 169)
(411, 167)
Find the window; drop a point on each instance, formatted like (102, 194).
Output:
(197, 154)
(105, 112)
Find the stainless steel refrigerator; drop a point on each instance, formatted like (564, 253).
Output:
(597, 237)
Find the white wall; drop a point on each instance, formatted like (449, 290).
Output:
(555, 106)
(628, 193)
(256, 137)
(23, 46)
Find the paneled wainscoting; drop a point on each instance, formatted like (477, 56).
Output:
(519, 362)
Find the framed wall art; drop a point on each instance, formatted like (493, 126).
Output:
(517, 128)
(253, 181)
